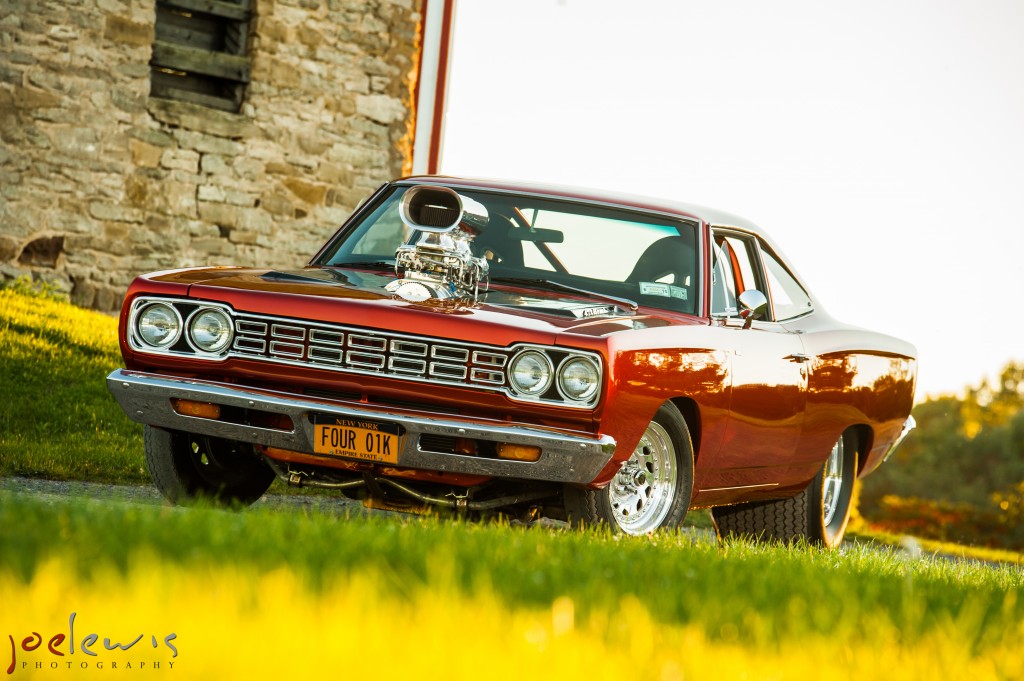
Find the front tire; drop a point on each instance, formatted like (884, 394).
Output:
(652, 489)
(818, 515)
(187, 467)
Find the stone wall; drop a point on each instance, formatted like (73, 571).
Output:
(100, 182)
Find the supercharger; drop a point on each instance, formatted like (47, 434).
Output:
(440, 265)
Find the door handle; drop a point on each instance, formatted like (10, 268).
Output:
(798, 357)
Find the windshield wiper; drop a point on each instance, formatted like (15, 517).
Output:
(558, 286)
(365, 264)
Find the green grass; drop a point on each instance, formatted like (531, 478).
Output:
(57, 419)
(784, 607)
(744, 591)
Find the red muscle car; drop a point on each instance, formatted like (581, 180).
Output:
(483, 346)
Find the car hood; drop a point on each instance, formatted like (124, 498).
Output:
(358, 297)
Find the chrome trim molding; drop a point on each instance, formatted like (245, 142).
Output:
(908, 426)
(565, 456)
(724, 489)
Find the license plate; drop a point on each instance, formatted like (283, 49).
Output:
(357, 439)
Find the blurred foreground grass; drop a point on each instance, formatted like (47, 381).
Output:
(307, 593)
(244, 624)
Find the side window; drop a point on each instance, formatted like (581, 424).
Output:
(733, 271)
(789, 299)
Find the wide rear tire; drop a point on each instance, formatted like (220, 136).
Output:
(652, 489)
(187, 467)
(818, 515)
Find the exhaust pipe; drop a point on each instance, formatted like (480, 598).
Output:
(460, 504)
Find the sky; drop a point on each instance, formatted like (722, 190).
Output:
(879, 143)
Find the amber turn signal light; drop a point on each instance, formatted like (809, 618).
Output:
(203, 410)
(518, 452)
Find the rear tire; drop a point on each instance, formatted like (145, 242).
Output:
(818, 515)
(187, 467)
(652, 489)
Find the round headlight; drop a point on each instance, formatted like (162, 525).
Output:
(159, 325)
(210, 330)
(578, 378)
(530, 373)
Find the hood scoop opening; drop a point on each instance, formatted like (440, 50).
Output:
(307, 277)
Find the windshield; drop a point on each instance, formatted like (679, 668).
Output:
(646, 258)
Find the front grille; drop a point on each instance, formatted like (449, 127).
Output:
(354, 350)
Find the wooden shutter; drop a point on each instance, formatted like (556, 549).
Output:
(200, 54)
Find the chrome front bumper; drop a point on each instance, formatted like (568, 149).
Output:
(565, 457)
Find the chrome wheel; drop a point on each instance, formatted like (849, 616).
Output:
(652, 488)
(832, 482)
(643, 491)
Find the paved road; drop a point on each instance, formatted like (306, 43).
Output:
(147, 494)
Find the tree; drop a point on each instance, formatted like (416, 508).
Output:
(963, 450)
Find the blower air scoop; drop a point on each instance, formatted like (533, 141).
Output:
(440, 264)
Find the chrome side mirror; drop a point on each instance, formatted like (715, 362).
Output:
(753, 305)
